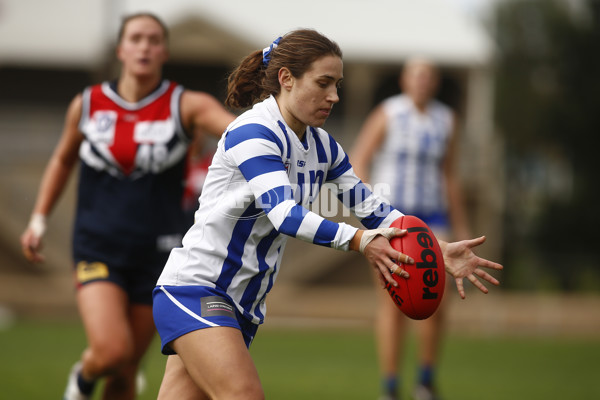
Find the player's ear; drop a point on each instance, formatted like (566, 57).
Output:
(286, 79)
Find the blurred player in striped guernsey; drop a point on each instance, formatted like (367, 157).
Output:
(269, 166)
(410, 140)
(132, 136)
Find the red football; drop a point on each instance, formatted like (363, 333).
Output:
(420, 295)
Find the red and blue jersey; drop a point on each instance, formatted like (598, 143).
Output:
(133, 161)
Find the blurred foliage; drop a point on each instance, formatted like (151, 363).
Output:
(548, 80)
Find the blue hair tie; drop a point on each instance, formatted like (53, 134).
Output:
(267, 51)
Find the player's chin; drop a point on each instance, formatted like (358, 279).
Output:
(146, 71)
(319, 120)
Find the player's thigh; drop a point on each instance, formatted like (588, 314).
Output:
(104, 310)
(218, 360)
(177, 383)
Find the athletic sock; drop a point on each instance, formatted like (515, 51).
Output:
(426, 376)
(390, 386)
(85, 387)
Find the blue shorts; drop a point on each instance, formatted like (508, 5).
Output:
(182, 309)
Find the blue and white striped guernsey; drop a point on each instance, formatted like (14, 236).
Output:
(408, 164)
(256, 194)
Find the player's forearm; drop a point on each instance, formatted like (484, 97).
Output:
(52, 186)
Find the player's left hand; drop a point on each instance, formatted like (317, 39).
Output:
(461, 262)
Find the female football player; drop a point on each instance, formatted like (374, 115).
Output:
(269, 166)
(132, 137)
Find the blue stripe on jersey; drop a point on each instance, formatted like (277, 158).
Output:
(354, 196)
(269, 287)
(235, 248)
(333, 147)
(326, 233)
(251, 131)
(375, 219)
(287, 139)
(321, 154)
(255, 166)
(256, 282)
(340, 169)
(274, 196)
(293, 220)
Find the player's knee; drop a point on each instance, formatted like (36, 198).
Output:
(250, 393)
(248, 390)
(111, 357)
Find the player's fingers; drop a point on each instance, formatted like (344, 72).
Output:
(387, 275)
(477, 284)
(475, 242)
(399, 232)
(27, 253)
(489, 264)
(403, 258)
(32, 255)
(460, 287)
(484, 275)
(398, 270)
(38, 257)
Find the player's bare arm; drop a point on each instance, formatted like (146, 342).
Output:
(202, 113)
(55, 177)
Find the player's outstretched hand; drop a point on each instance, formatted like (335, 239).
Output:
(375, 245)
(461, 262)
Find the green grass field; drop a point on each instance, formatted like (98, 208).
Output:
(328, 364)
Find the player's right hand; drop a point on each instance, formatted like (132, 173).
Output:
(375, 245)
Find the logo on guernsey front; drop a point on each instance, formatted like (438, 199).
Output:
(104, 121)
(87, 272)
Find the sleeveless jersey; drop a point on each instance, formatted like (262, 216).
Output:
(408, 166)
(256, 194)
(131, 178)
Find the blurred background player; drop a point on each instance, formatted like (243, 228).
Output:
(410, 141)
(132, 136)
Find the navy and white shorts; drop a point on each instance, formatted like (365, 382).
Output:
(182, 309)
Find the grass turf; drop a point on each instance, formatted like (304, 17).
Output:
(36, 356)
